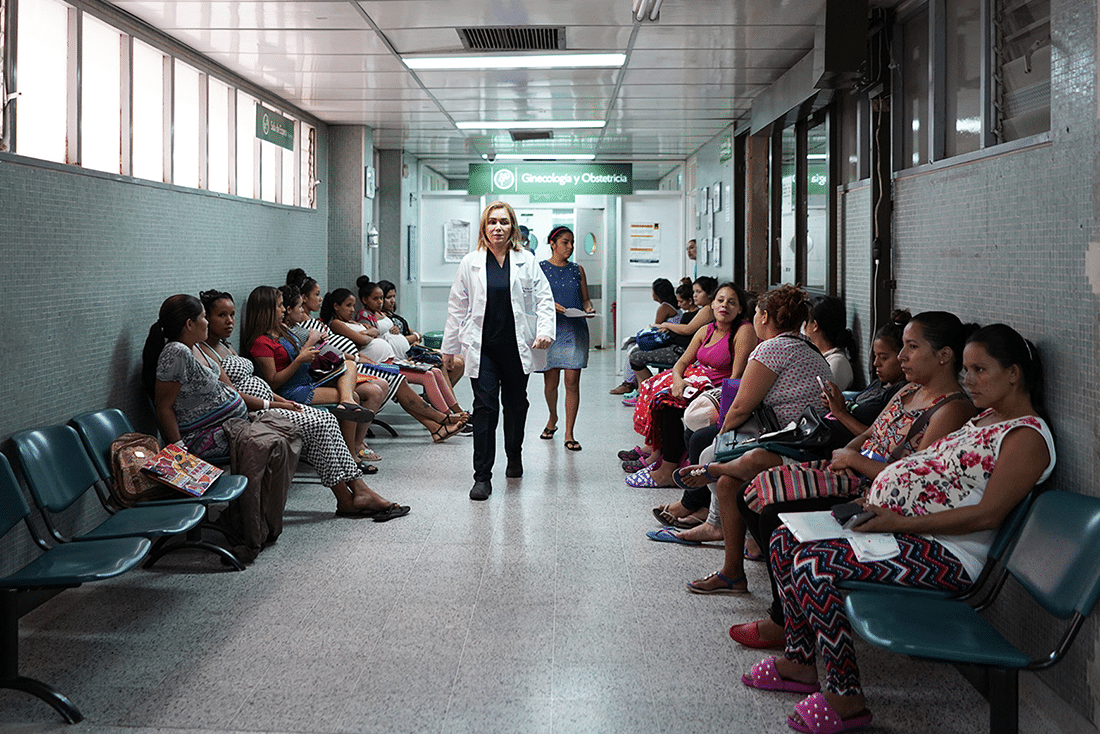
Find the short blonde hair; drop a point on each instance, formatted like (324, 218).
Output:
(483, 237)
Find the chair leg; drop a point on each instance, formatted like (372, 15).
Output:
(1004, 701)
(192, 540)
(61, 704)
(383, 424)
(9, 663)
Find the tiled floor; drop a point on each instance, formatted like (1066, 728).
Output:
(545, 609)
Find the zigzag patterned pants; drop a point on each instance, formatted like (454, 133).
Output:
(808, 574)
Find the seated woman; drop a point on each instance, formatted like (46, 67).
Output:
(942, 505)
(930, 359)
(717, 351)
(828, 330)
(338, 313)
(389, 308)
(322, 445)
(441, 425)
(783, 374)
(283, 362)
(682, 333)
(374, 341)
(853, 417)
(665, 297)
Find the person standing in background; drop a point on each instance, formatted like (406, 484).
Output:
(569, 351)
(500, 309)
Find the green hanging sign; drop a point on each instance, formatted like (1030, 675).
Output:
(551, 179)
(274, 128)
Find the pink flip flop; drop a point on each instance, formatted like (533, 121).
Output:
(764, 676)
(818, 717)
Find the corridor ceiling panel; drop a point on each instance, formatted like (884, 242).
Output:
(687, 76)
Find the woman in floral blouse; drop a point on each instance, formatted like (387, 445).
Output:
(943, 506)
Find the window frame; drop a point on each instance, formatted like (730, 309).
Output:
(131, 29)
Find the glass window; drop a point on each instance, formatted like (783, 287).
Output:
(269, 170)
(914, 80)
(218, 132)
(1022, 55)
(185, 126)
(289, 176)
(41, 117)
(246, 145)
(817, 206)
(305, 147)
(788, 239)
(100, 97)
(149, 112)
(3, 72)
(963, 62)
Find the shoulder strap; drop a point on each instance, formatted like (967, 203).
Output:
(922, 421)
(802, 339)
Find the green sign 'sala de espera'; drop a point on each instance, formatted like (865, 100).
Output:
(551, 178)
(274, 128)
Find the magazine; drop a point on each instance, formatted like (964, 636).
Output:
(177, 468)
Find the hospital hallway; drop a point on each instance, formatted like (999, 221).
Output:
(544, 609)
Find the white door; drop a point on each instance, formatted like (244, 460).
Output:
(590, 229)
(651, 246)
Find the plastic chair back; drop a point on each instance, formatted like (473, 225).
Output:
(13, 506)
(1054, 557)
(57, 467)
(98, 430)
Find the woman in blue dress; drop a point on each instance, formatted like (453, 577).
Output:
(569, 352)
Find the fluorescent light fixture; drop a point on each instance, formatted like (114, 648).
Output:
(458, 62)
(546, 156)
(528, 124)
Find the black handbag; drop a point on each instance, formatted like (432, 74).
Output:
(810, 437)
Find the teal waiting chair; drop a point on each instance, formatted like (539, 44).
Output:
(57, 568)
(989, 581)
(59, 472)
(1053, 560)
(99, 429)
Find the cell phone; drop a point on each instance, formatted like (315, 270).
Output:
(821, 383)
(859, 519)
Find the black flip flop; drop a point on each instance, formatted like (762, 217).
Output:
(352, 412)
(392, 512)
(548, 433)
(573, 445)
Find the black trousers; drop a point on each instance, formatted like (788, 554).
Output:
(761, 526)
(500, 382)
(694, 499)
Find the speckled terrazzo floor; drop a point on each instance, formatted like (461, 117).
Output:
(545, 609)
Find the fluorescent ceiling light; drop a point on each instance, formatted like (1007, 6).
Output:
(456, 62)
(546, 156)
(528, 124)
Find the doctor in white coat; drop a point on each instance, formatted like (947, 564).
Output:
(500, 318)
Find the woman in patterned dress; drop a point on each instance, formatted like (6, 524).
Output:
(569, 352)
(942, 505)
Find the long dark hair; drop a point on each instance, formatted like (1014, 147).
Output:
(944, 329)
(662, 288)
(175, 312)
(298, 278)
(743, 302)
(1008, 347)
(328, 306)
(260, 319)
(707, 284)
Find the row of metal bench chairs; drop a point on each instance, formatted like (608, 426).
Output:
(62, 464)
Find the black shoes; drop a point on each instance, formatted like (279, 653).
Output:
(515, 469)
(481, 491)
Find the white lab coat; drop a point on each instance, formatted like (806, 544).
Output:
(532, 308)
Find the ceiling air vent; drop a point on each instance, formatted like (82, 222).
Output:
(513, 38)
(521, 135)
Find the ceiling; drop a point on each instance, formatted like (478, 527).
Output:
(687, 76)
